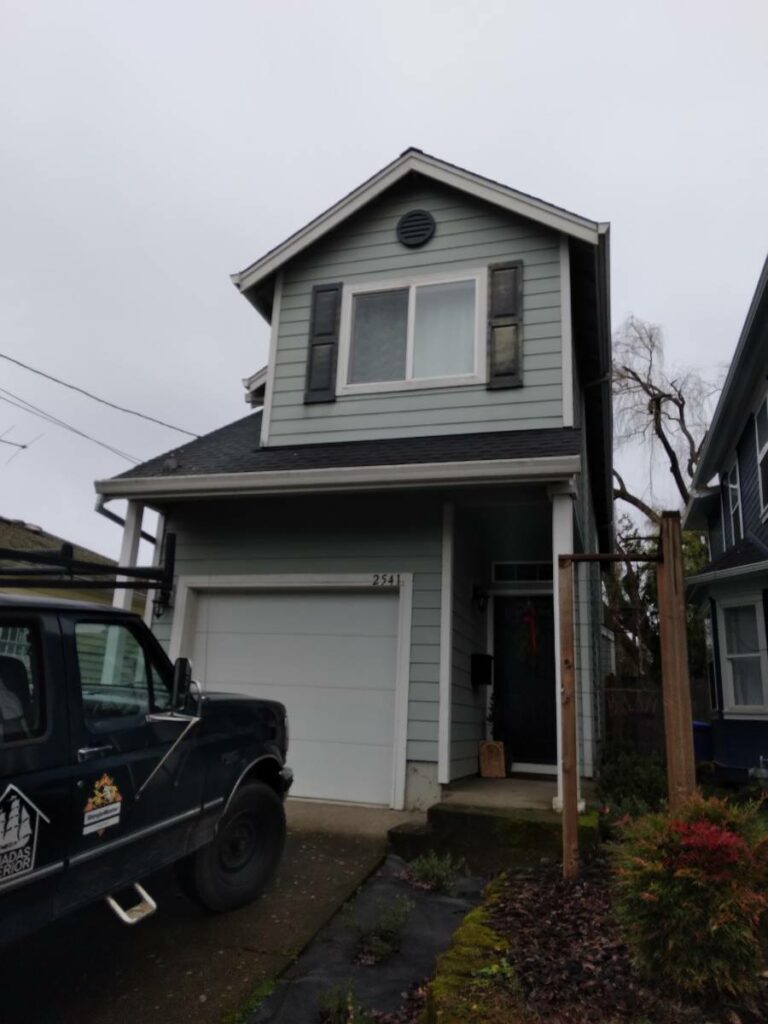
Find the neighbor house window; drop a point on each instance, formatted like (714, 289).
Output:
(412, 333)
(734, 503)
(745, 661)
(761, 428)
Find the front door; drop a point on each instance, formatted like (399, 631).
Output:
(124, 825)
(524, 715)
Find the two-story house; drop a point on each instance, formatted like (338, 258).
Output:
(434, 430)
(730, 502)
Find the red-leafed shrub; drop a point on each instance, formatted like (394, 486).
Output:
(691, 892)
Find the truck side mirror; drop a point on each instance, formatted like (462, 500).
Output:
(182, 677)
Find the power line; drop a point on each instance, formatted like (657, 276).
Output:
(14, 444)
(96, 398)
(21, 403)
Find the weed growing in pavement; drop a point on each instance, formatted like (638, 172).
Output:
(381, 939)
(340, 1006)
(434, 872)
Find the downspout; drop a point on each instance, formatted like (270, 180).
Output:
(101, 508)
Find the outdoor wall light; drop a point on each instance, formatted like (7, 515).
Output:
(479, 598)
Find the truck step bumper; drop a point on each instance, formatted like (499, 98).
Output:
(144, 908)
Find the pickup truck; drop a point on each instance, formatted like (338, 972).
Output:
(114, 763)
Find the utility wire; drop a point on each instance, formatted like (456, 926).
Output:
(96, 398)
(14, 444)
(21, 403)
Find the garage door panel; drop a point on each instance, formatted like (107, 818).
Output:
(314, 614)
(285, 660)
(331, 658)
(334, 772)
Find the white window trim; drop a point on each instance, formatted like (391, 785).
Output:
(735, 465)
(478, 274)
(189, 588)
(730, 707)
(763, 497)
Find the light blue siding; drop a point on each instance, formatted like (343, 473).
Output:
(330, 535)
(470, 235)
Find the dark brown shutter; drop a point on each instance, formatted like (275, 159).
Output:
(323, 343)
(505, 309)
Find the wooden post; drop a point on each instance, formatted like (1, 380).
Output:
(568, 720)
(675, 682)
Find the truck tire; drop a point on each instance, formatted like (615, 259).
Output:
(235, 867)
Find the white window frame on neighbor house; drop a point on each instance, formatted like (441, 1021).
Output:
(732, 508)
(730, 707)
(189, 588)
(762, 453)
(410, 383)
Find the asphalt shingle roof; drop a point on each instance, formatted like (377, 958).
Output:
(746, 552)
(235, 449)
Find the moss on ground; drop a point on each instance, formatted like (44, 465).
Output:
(265, 988)
(473, 980)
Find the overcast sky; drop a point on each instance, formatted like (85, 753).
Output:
(148, 150)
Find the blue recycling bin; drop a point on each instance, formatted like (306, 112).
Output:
(703, 743)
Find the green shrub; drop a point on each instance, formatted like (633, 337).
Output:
(434, 872)
(340, 1006)
(691, 893)
(381, 939)
(629, 783)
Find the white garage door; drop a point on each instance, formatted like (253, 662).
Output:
(331, 659)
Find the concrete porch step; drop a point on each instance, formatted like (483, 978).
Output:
(490, 840)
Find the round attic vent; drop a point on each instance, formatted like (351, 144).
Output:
(415, 228)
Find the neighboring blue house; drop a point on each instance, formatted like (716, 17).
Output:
(435, 429)
(730, 501)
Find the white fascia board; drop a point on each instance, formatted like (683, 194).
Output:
(256, 380)
(345, 478)
(481, 188)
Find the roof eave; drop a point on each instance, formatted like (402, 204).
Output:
(739, 383)
(342, 478)
(414, 161)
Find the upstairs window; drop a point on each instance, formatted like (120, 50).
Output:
(412, 335)
(761, 429)
(734, 503)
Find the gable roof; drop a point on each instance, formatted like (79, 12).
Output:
(250, 281)
(750, 361)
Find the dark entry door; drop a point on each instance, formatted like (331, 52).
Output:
(524, 679)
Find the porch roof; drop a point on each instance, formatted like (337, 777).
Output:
(742, 559)
(233, 452)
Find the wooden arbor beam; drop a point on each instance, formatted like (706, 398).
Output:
(675, 680)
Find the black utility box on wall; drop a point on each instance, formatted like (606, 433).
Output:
(482, 669)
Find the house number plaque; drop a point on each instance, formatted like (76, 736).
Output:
(385, 579)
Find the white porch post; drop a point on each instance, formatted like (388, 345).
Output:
(446, 650)
(129, 550)
(562, 544)
(156, 558)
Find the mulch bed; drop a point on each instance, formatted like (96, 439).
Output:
(568, 955)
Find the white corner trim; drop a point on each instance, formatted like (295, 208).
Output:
(446, 648)
(344, 478)
(129, 550)
(156, 561)
(566, 332)
(189, 588)
(438, 170)
(271, 366)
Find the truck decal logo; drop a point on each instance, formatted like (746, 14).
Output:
(19, 822)
(103, 807)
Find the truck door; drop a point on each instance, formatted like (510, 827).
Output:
(35, 786)
(126, 824)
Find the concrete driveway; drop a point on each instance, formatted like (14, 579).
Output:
(182, 966)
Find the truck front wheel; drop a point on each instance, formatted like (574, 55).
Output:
(235, 867)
